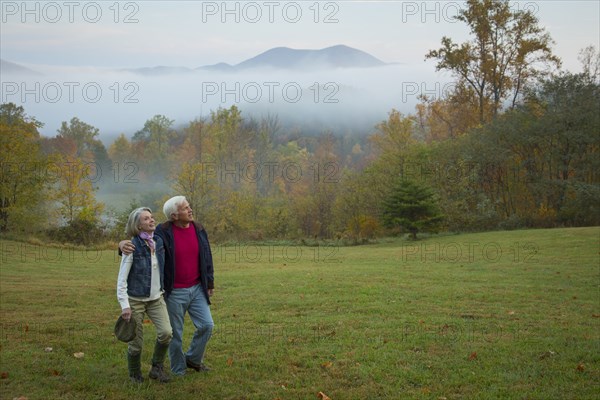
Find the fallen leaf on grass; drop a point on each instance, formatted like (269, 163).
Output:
(78, 355)
(580, 367)
(48, 349)
(54, 372)
(326, 364)
(229, 361)
(4, 375)
(473, 356)
(20, 398)
(323, 396)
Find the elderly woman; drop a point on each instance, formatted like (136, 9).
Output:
(140, 290)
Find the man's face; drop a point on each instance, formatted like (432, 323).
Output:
(185, 214)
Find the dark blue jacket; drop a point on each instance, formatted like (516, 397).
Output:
(140, 274)
(205, 262)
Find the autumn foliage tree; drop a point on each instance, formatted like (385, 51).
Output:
(448, 116)
(78, 162)
(153, 145)
(74, 191)
(22, 183)
(504, 55)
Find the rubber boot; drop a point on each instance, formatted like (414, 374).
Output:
(158, 358)
(134, 365)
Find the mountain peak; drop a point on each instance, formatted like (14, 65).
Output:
(337, 56)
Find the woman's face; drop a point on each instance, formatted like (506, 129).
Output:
(146, 222)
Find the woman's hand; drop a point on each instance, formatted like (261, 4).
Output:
(126, 314)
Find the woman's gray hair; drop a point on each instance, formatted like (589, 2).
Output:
(132, 228)
(171, 206)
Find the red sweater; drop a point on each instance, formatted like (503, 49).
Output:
(187, 271)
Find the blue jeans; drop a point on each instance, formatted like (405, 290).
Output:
(193, 301)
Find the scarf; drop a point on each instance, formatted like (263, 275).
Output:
(149, 238)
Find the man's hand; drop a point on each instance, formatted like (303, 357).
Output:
(126, 247)
(211, 292)
(126, 314)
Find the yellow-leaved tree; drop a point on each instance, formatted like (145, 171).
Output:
(22, 183)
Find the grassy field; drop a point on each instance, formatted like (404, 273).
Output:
(501, 315)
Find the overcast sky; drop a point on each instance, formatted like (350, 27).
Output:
(97, 35)
(194, 33)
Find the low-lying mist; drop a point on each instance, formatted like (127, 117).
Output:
(120, 101)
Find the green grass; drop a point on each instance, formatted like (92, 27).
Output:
(501, 315)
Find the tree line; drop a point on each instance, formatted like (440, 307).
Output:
(515, 144)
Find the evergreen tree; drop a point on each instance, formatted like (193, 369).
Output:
(411, 206)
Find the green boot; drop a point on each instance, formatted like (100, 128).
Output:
(158, 358)
(134, 365)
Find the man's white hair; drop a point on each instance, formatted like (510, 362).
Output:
(171, 206)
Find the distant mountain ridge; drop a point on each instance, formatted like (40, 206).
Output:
(334, 57)
(7, 67)
(281, 58)
(160, 70)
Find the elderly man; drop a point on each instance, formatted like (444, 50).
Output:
(188, 282)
